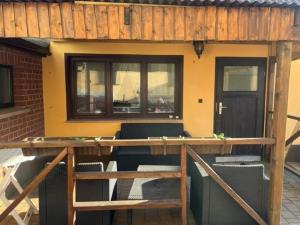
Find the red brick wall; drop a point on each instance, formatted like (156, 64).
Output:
(28, 93)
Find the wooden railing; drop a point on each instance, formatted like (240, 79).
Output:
(185, 145)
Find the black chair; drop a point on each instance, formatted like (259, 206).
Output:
(211, 205)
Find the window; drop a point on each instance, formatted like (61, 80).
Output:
(6, 86)
(109, 86)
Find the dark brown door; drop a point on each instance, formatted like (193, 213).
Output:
(239, 99)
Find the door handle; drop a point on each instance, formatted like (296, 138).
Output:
(221, 107)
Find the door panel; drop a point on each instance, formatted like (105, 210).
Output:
(239, 108)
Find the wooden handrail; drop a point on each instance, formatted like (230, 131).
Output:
(136, 142)
(290, 116)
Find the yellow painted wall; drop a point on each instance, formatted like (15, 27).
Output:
(294, 97)
(199, 78)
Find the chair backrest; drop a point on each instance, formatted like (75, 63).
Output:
(145, 130)
(247, 181)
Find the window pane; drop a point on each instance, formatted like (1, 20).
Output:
(90, 87)
(240, 78)
(161, 88)
(6, 94)
(126, 87)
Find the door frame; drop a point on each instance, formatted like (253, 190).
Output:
(262, 62)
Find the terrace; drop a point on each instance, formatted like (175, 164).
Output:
(144, 113)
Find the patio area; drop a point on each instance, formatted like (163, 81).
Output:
(290, 210)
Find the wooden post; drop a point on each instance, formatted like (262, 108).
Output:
(183, 185)
(70, 185)
(284, 54)
(270, 102)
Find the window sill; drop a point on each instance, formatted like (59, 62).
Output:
(13, 111)
(122, 120)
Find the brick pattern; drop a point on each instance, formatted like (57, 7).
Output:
(28, 92)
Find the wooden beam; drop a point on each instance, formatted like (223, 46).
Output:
(136, 142)
(127, 204)
(226, 187)
(126, 175)
(70, 185)
(183, 185)
(284, 55)
(33, 184)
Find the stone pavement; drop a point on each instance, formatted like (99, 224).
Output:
(291, 200)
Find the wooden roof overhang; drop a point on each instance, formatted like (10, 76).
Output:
(106, 21)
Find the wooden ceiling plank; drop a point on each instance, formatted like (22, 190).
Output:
(136, 27)
(43, 20)
(158, 23)
(222, 23)
(56, 30)
(264, 24)
(199, 23)
(147, 23)
(210, 22)
(189, 24)
(179, 24)
(253, 23)
(67, 20)
(90, 22)
(275, 24)
(9, 20)
(124, 28)
(20, 19)
(1, 22)
(169, 23)
(243, 23)
(101, 21)
(113, 22)
(233, 24)
(32, 20)
(79, 22)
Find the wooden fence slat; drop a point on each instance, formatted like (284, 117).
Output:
(286, 24)
(67, 19)
(9, 20)
(199, 23)
(158, 23)
(20, 20)
(113, 22)
(102, 21)
(90, 22)
(275, 24)
(136, 28)
(264, 24)
(33, 184)
(222, 28)
(179, 23)
(253, 23)
(240, 201)
(147, 23)
(124, 29)
(55, 20)
(233, 24)
(79, 22)
(183, 184)
(210, 22)
(32, 20)
(1, 22)
(168, 23)
(43, 19)
(70, 185)
(189, 23)
(243, 23)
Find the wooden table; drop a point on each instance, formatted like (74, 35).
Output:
(152, 188)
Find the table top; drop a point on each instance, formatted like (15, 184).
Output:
(152, 188)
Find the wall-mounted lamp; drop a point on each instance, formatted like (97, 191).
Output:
(198, 47)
